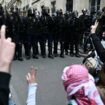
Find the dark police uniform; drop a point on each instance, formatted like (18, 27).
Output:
(74, 36)
(15, 34)
(50, 26)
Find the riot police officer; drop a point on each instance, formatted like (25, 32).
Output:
(74, 35)
(43, 32)
(66, 32)
(31, 36)
(24, 32)
(49, 33)
(15, 23)
(59, 35)
(85, 21)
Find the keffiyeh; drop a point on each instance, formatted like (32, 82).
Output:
(79, 85)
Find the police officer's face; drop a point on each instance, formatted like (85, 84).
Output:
(11, 17)
(0, 16)
(103, 34)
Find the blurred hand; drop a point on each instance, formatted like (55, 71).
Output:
(7, 49)
(31, 76)
(94, 27)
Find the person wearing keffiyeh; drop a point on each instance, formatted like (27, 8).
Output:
(101, 83)
(80, 86)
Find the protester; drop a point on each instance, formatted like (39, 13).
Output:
(7, 49)
(80, 87)
(99, 45)
(98, 54)
(101, 83)
(32, 86)
(91, 65)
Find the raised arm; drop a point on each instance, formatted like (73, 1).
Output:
(7, 49)
(32, 86)
(97, 42)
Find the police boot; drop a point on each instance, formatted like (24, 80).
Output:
(20, 58)
(50, 56)
(15, 56)
(35, 57)
(28, 57)
(62, 55)
(77, 55)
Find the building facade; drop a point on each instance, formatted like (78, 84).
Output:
(65, 5)
(68, 5)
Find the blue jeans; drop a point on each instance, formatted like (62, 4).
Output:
(11, 102)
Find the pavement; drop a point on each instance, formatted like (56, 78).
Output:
(50, 88)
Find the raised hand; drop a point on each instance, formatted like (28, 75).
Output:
(7, 49)
(31, 76)
(94, 27)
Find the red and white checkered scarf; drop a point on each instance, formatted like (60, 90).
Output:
(79, 84)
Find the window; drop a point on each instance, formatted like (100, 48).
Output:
(69, 5)
(53, 9)
(94, 5)
(98, 4)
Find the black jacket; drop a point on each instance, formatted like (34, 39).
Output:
(4, 88)
(98, 47)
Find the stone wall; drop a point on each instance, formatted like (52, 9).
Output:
(61, 4)
(102, 4)
(80, 4)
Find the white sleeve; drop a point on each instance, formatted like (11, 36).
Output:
(31, 99)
